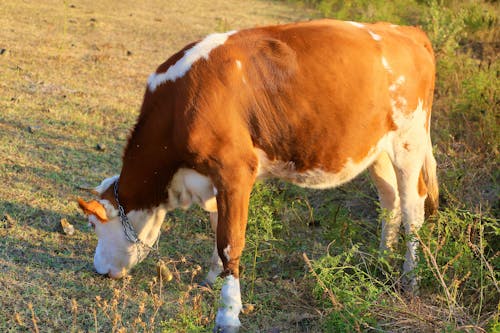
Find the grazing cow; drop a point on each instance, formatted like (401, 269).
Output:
(312, 103)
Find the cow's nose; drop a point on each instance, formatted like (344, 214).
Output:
(115, 274)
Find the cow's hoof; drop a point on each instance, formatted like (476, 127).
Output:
(206, 284)
(411, 286)
(226, 329)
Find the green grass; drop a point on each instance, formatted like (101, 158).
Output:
(73, 77)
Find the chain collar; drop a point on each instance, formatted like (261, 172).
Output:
(130, 232)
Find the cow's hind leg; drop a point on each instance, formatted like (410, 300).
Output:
(215, 262)
(412, 206)
(384, 177)
(409, 155)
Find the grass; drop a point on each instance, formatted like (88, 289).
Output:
(73, 75)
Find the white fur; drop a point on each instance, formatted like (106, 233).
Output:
(409, 149)
(111, 211)
(386, 65)
(397, 84)
(230, 307)
(356, 24)
(384, 176)
(190, 187)
(183, 65)
(411, 123)
(215, 266)
(317, 178)
(374, 35)
(398, 104)
(114, 253)
(105, 184)
(226, 252)
(215, 262)
(238, 64)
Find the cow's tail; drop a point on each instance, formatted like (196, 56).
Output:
(431, 181)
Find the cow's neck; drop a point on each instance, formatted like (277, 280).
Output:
(148, 164)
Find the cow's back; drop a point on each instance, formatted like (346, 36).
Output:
(316, 95)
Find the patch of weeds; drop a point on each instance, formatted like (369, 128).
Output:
(263, 225)
(348, 289)
(399, 11)
(461, 251)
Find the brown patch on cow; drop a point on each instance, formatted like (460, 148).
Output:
(391, 125)
(422, 187)
(406, 146)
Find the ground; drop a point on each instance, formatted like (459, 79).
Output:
(72, 79)
(73, 75)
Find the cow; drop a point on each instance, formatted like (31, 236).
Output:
(313, 103)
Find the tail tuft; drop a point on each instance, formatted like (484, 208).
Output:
(431, 181)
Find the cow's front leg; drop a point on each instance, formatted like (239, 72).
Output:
(232, 210)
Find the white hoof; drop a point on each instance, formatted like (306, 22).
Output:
(226, 329)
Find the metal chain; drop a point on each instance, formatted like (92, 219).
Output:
(130, 232)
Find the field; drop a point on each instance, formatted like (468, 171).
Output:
(72, 79)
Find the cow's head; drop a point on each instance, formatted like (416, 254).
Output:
(115, 254)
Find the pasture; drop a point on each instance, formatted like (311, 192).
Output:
(72, 79)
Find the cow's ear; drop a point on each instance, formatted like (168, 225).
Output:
(93, 208)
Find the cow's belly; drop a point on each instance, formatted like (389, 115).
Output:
(318, 177)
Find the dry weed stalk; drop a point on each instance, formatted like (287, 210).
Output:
(19, 319)
(432, 263)
(453, 307)
(336, 304)
(33, 318)
(479, 253)
(74, 310)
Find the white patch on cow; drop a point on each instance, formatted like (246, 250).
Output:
(238, 64)
(230, 307)
(356, 24)
(384, 176)
(398, 104)
(318, 178)
(115, 254)
(394, 25)
(226, 252)
(183, 65)
(105, 184)
(212, 275)
(386, 65)
(215, 266)
(215, 261)
(410, 122)
(190, 187)
(410, 145)
(397, 84)
(111, 211)
(374, 35)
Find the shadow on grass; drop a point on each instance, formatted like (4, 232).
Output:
(39, 255)
(13, 214)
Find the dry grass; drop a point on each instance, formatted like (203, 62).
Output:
(73, 75)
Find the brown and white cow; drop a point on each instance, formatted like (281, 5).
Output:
(313, 103)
